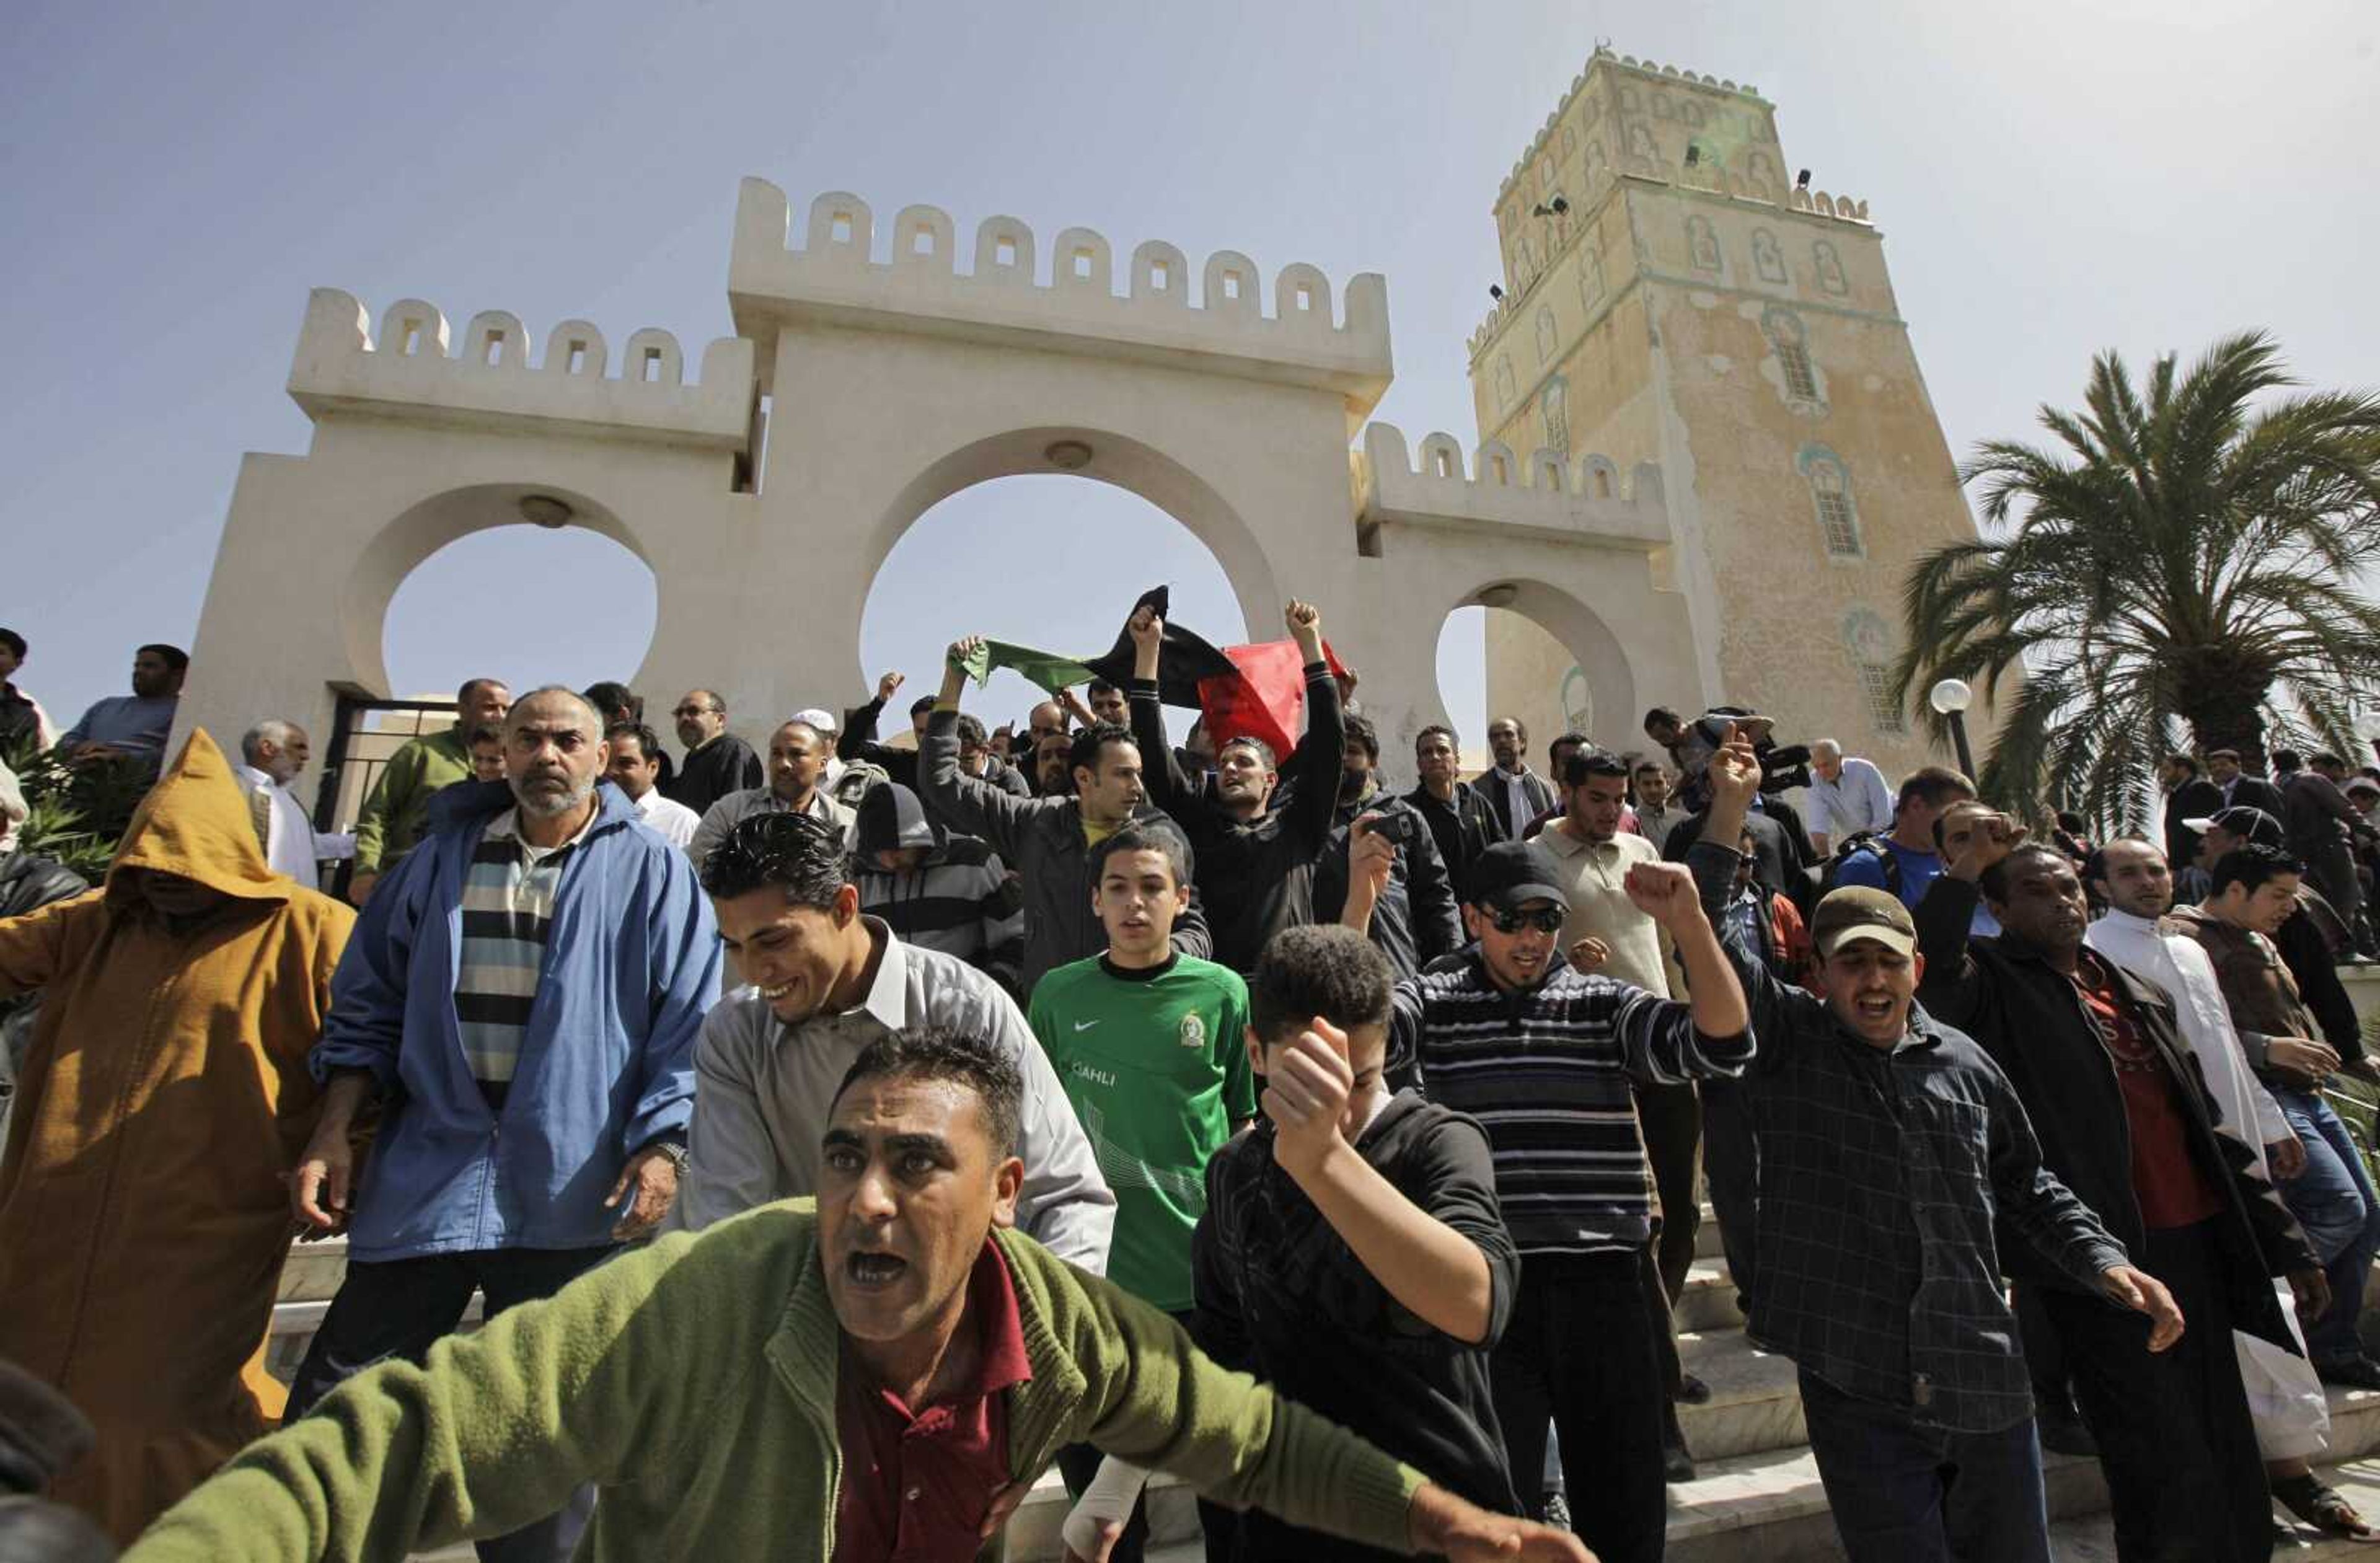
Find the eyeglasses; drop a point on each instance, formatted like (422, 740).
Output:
(691, 711)
(1546, 919)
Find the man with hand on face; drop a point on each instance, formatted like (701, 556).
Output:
(882, 1374)
(522, 996)
(636, 769)
(1544, 1056)
(820, 981)
(1147, 1043)
(1877, 1124)
(1048, 840)
(2124, 1120)
(1259, 859)
(798, 759)
(1351, 1252)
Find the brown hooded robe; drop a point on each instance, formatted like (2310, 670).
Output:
(143, 1218)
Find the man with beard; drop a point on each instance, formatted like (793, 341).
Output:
(1259, 860)
(275, 754)
(523, 999)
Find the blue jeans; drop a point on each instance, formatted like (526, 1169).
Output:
(1905, 1492)
(2333, 1201)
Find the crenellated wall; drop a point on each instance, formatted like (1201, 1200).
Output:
(837, 269)
(412, 372)
(1585, 499)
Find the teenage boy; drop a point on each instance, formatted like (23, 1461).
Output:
(1545, 1055)
(1147, 1042)
(1887, 1146)
(1353, 1254)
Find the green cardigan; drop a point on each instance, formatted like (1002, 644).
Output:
(398, 804)
(694, 1380)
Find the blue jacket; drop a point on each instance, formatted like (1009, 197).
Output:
(631, 965)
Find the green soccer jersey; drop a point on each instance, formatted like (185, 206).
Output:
(1157, 1066)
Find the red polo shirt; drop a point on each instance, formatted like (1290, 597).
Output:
(916, 1484)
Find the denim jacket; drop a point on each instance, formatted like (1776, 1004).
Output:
(606, 1067)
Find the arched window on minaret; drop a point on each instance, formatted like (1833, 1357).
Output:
(1554, 407)
(1702, 244)
(1829, 267)
(1549, 336)
(1791, 343)
(1830, 501)
(1590, 277)
(1869, 642)
(1504, 392)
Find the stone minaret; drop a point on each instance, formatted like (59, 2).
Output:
(1691, 307)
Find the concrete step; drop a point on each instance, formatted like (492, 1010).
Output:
(1769, 1506)
(1708, 1302)
(1755, 1404)
(313, 1272)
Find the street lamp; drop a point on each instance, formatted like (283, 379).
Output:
(1951, 698)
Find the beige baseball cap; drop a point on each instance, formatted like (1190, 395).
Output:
(1857, 911)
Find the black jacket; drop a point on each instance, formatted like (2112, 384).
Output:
(1464, 828)
(29, 881)
(1539, 792)
(1280, 1293)
(1261, 873)
(2028, 1016)
(2195, 799)
(725, 765)
(1416, 920)
(1785, 863)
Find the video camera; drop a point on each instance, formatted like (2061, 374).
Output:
(1782, 767)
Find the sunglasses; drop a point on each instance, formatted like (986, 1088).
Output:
(1546, 919)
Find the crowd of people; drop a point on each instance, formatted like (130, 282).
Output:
(794, 1155)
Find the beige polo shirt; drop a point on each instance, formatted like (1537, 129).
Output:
(1592, 877)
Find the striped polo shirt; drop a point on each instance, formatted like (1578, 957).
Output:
(1547, 1073)
(508, 895)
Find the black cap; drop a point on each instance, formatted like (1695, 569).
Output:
(1509, 875)
(2242, 820)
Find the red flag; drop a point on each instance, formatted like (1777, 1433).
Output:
(1265, 697)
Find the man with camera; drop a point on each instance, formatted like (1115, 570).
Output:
(1414, 920)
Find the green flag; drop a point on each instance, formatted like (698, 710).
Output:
(1045, 669)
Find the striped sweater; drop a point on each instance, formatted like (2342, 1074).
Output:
(1547, 1071)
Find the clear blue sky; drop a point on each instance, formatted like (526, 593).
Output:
(2052, 178)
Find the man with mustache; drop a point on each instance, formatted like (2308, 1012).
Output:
(2122, 1112)
(522, 997)
(880, 1374)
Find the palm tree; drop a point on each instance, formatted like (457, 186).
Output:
(2189, 560)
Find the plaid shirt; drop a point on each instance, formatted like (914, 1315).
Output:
(1881, 1172)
